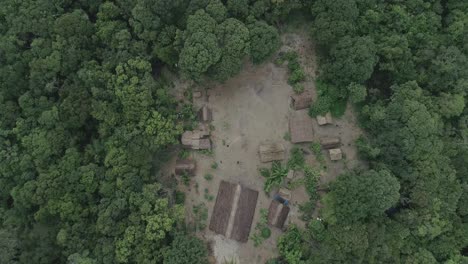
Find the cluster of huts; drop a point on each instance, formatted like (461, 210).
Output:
(301, 131)
(197, 139)
(235, 204)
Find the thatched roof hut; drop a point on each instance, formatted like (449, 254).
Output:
(234, 211)
(302, 100)
(330, 142)
(277, 214)
(185, 167)
(300, 127)
(335, 154)
(324, 120)
(205, 114)
(271, 152)
(196, 139)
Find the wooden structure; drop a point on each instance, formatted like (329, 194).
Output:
(185, 167)
(335, 154)
(196, 139)
(324, 120)
(277, 214)
(330, 142)
(205, 114)
(271, 152)
(234, 211)
(302, 100)
(300, 127)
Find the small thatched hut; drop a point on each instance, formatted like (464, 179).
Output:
(330, 142)
(335, 154)
(185, 167)
(277, 214)
(300, 127)
(205, 114)
(271, 152)
(324, 120)
(302, 100)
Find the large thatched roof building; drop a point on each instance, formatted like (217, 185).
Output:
(234, 211)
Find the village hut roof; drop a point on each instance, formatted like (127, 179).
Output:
(185, 166)
(324, 120)
(302, 100)
(335, 154)
(300, 127)
(330, 142)
(234, 211)
(271, 152)
(205, 114)
(277, 214)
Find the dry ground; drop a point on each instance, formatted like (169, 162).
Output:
(249, 109)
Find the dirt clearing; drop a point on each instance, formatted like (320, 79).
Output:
(248, 110)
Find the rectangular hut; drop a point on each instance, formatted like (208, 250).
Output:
(271, 152)
(185, 166)
(330, 142)
(300, 127)
(277, 214)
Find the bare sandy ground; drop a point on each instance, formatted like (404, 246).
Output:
(249, 109)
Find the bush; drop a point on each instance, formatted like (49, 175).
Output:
(296, 76)
(298, 88)
(266, 232)
(297, 160)
(320, 107)
(357, 92)
(208, 177)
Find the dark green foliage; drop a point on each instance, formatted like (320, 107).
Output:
(296, 160)
(274, 176)
(186, 249)
(358, 196)
(264, 40)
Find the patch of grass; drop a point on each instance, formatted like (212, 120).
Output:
(307, 209)
(185, 178)
(212, 127)
(311, 177)
(262, 231)
(208, 177)
(179, 197)
(338, 108)
(287, 136)
(200, 213)
(184, 154)
(214, 165)
(298, 88)
(208, 196)
(295, 184)
(296, 160)
(317, 150)
(207, 152)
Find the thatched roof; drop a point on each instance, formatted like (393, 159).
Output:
(330, 142)
(197, 139)
(335, 154)
(271, 152)
(185, 166)
(324, 120)
(277, 214)
(205, 114)
(300, 127)
(233, 211)
(302, 100)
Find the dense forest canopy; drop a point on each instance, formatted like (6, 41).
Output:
(86, 113)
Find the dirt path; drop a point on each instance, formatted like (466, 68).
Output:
(250, 109)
